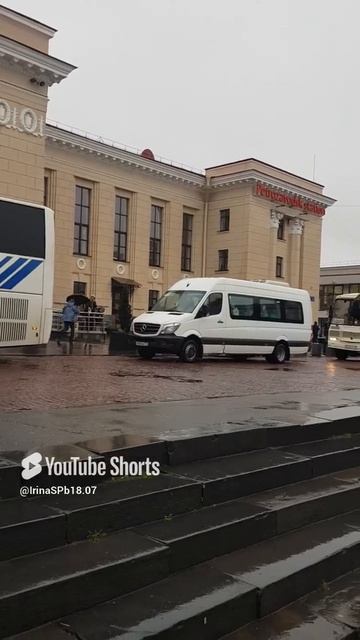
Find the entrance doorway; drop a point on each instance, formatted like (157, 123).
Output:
(122, 292)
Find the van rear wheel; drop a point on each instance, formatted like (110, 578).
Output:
(280, 354)
(190, 351)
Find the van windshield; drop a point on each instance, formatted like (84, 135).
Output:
(346, 311)
(183, 301)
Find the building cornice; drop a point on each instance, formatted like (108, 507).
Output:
(70, 140)
(15, 16)
(252, 176)
(33, 62)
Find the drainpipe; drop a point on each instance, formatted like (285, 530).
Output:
(206, 214)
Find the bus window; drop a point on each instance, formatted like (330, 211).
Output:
(22, 230)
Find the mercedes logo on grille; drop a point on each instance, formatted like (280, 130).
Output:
(143, 327)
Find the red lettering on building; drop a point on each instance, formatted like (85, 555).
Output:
(289, 200)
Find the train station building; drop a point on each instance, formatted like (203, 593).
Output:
(129, 224)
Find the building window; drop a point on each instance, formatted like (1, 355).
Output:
(79, 288)
(82, 220)
(281, 230)
(223, 260)
(224, 219)
(155, 235)
(153, 298)
(279, 266)
(121, 228)
(186, 247)
(46, 191)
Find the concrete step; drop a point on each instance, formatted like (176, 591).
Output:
(330, 455)
(330, 613)
(287, 567)
(41, 587)
(234, 476)
(198, 603)
(27, 526)
(218, 529)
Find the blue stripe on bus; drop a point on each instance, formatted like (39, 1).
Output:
(23, 273)
(4, 260)
(10, 270)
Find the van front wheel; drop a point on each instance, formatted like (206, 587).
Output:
(280, 354)
(145, 354)
(190, 351)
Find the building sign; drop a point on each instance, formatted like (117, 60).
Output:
(289, 200)
(24, 120)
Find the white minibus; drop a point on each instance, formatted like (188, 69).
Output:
(26, 273)
(222, 316)
(344, 331)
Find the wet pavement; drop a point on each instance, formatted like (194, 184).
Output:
(55, 397)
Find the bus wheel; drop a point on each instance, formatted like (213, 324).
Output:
(145, 354)
(191, 350)
(341, 355)
(280, 354)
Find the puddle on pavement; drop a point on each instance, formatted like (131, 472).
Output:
(120, 374)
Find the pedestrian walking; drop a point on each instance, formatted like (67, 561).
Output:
(315, 332)
(70, 316)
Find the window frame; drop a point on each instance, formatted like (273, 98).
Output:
(155, 239)
(76, 288)
(186, 241)
(225, 252)
(121, 237)
(80, 225)
(279, 267)
(281, 230)
(224, 221)
(151, 300)
(256, 315)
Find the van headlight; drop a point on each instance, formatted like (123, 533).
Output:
(170, 328)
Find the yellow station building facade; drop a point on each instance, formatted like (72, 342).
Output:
(128, 222)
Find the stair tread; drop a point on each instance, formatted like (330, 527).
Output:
(201, 520)
(161, 606)
(324, 447)
(274, 559)
(38, 570)
(237, 464)
(332, 613)
(19, 511)
(307, 490)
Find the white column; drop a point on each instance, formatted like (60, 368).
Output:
(296, 227)
(275, 217)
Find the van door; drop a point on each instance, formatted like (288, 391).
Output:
(210, 322)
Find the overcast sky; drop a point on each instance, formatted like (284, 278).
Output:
(209, 81)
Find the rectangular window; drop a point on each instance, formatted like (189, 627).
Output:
(223, 260)
(156, 222)
(153, 298)
(281, 229)
(22, 230)
(186, 246)
(270, 310)
(241, 307)
(121, 228)
(79, 288)
(224, 219)
(82, 220)
(293, 312)
(279, 266)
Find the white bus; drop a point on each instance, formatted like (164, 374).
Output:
(26, 273)
(344, 330)
(224, 316)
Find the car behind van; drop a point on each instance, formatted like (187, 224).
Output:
(200, 317)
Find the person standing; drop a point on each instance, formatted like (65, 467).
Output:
(70, 316)
(315, 332)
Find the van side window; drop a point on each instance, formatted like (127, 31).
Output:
(270, 309)
(212, 305)
(241, 307)
(294, 312)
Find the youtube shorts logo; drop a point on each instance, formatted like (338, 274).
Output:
(31, 465)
